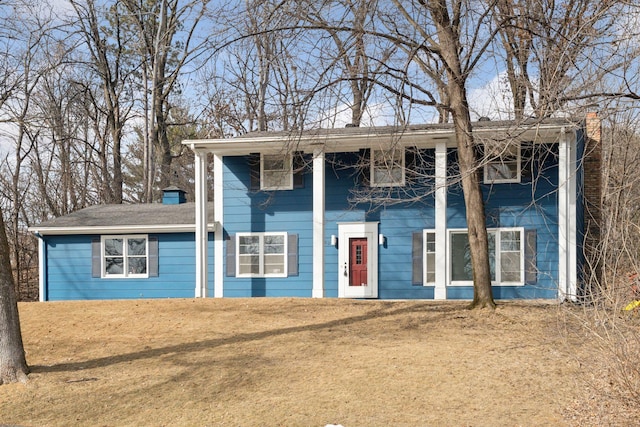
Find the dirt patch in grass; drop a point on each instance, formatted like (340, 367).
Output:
(296, 362)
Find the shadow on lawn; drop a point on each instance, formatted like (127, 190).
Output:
(241, 338)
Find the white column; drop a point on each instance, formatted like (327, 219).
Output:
(440, 291)
(218, 217)
(41, 267)
(572, 244)
(564, 290)
(201, 233)
(318, 223)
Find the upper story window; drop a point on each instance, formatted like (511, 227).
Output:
(276, 172)
(125, 256)
(504, 165)
(387, 167)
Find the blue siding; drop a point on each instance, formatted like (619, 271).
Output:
(69, 270)
(277, 211)
(531, 204)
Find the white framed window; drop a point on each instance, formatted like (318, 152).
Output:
(125, 256)
(503, 164)
(276, 171)
(429, 256)
(387, 167)
(506, 257)
(261, 255)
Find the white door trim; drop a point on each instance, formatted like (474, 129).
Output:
(368, 230)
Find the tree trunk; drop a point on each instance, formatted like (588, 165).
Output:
(13, 365)
(474, 202)
(468, 163)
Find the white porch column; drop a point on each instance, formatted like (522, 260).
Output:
(440, 291)
(318, 223)
(572, 220)
(567, 248)
(218, 217)
(201, 232)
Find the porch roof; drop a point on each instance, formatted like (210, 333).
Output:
(354, 138)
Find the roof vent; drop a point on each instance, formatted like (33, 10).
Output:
(173, 196)
(484, 119)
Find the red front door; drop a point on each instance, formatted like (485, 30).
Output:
(357, 262)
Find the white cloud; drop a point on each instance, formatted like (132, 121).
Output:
(493, 100)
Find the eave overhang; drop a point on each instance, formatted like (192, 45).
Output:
(118, 229)
(354, 139)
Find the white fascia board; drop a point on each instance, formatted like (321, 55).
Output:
(340, 143)
(336, 143)
(118, 229)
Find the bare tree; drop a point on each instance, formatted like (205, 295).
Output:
(167, 42)
(109, 59)
(449, 38)
(361, 59)
(13, 364)
(559, 53)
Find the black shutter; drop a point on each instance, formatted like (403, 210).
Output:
(254, 171)
(231, 256)
(410, 166)
(96, 258)
(153, 257)
(530, 257)
(364, 167)
(481, 161)
(292, 255)
(416, 256)
(298, 170)
(526, 161)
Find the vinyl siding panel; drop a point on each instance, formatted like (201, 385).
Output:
(69, 270)
(268, 211)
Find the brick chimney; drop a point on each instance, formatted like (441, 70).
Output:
(592, 164)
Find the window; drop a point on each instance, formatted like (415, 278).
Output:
(125, 256)
(387, 168)
(261, 254)
(506, 257)
(276, 172)
(503, 165)
(429, 257)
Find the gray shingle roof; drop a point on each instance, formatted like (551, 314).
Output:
(143, 215)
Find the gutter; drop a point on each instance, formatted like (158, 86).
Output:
(118, 229)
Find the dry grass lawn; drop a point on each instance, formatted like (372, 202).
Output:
(296, 362)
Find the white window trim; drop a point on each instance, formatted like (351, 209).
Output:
(285, 267)
(496, 282)
(497, 160)
(372, 168)
(424, 257)
(124, 275)
(288, 184)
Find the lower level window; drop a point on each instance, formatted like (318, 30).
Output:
(506, 257)
(261, 255)
(125, 256)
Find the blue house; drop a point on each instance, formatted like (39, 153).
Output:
(372, 212)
